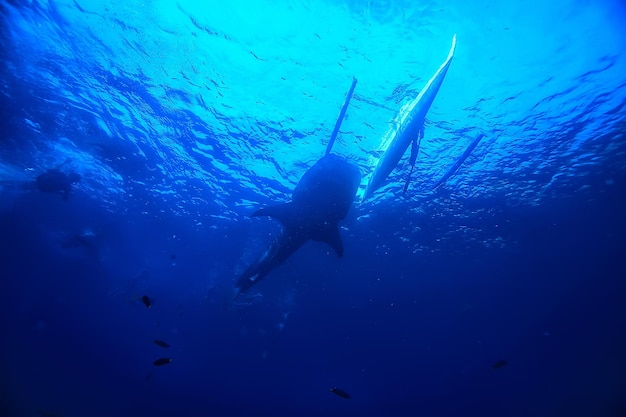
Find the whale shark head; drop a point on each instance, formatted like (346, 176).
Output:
(323, 196)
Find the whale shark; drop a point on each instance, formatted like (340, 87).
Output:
(407, 127)
(319, 202)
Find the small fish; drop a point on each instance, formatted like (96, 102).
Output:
(161, 343)
(340, 393)
(162, 361)
(501, 363)
(146, 301)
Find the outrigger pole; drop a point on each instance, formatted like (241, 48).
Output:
(342, 114)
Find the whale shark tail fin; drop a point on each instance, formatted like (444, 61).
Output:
(238, 299)
(330, 234)
(228, 298)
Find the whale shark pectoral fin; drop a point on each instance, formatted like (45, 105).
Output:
(281, 212)
(330, 234)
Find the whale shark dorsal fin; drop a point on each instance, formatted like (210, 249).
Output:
(281, 212)
(330, 234)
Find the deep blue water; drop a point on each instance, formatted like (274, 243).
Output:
(184, 117)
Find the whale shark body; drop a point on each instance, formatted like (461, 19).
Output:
(326, 191)
(320, 201)
(407, 126)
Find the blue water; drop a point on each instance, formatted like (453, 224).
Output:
(185, 117)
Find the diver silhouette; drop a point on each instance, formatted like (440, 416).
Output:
(56, 181)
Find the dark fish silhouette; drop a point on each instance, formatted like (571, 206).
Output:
(146, 301)
(162, 361)
(500, 364)
(160, 343)
(340, 393)
(56, 181)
